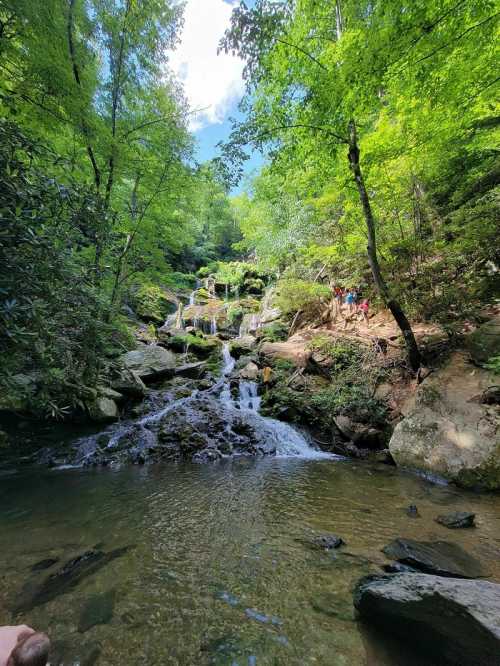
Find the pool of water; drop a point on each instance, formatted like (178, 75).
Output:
(219, 572)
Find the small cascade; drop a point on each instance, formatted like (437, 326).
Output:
(250, 324)
(195, 322)
(249, 396)
(226, 294)
(192, 297)
(179, 322)
(227, 367)
(213, 326)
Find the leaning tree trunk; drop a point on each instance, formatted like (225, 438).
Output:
(391, 303)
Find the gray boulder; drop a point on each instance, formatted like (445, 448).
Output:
(150, 362)
(454, 621)
(435, 557)
(102, 409)
(128, 382)
(457, 519)
(448, 431)
(250, 371)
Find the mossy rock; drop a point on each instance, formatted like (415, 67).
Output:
(202, 347)
(484, 342)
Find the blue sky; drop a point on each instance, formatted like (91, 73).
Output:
(213, 83)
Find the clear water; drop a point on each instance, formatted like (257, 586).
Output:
(219, 573)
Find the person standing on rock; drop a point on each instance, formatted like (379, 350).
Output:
(337, 293)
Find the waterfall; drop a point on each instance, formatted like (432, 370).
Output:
(213, 326)
(289, 443)
(195, 322)
(250, 324)
(179, 323)
(226, 294)
(249, 397)
(227, 368)
(192, 297)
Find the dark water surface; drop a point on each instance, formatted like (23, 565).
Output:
(219, 573)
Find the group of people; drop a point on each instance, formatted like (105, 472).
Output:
(354, 302)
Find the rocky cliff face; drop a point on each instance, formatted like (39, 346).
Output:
(451, 429)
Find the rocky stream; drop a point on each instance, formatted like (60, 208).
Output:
(196, 530)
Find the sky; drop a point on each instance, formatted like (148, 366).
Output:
(212, 83)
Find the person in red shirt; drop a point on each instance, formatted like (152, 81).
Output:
(364, 307)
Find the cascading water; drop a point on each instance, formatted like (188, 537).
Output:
(213, 326)
(249, 397)
(227, 368)
(279, 436)
(140, 436)
(192, 297)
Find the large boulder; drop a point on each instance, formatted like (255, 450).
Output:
(242, 345)
(150, 362)
(361, 434)
(128, 383)
(102, 409)
(251, 371)
(295, 350)
(484, 342)
(454, 621)
(449, 431)
(435, 557)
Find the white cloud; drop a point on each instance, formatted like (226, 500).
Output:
(211, 82)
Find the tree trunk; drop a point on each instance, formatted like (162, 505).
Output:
(391, 303)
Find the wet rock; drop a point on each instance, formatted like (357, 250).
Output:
(412, 511)
(397, 567)
(250, 371)
(97, 610)
(44, 564)
(438, 557)
(457, 519)
(448, 432)
(64, 579)
(191, 370)
(326, 541)
(150, 362)
(458, 621)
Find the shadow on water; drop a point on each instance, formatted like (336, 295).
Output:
(220, 573)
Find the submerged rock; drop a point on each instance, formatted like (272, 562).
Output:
(97, 610)
(457, 621)
(449, 432)
(326, 541)
(435, 557)
(44, 564)
(457, 519)
(64, 579)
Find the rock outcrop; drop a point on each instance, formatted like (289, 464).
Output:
(449, 431)
(453, 621)
(150, 362)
